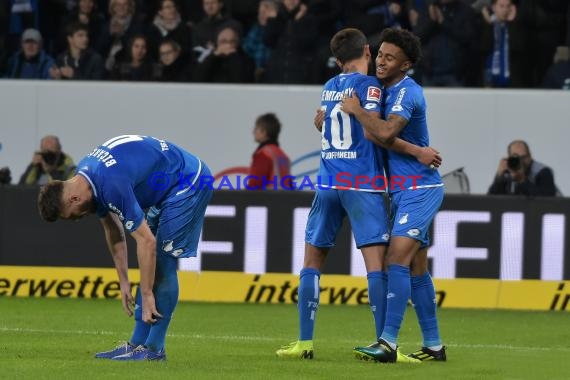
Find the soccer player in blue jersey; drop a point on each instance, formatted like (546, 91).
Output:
(351, 184)
(118, 181)
(414, 202)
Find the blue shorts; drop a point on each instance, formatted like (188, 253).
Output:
(177, 223)
(413, 211)
(366, 212)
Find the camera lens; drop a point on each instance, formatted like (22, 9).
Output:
(49, 157)
(514, 162)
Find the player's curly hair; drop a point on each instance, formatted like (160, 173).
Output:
(405, 40)
(347, 44)
(49, 201)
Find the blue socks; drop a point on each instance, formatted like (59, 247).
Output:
(308, 302)
(423, 298)
(377, 290)
(166, 297)
(399, 289)
(141, 329)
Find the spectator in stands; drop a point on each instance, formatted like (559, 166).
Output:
(123, 24)
(253, 44)
(174, 66)
(447, 32)
(3, 36)
(32, 62)
(49, 163)
(291, 37)
(168, 25)
(269, 162)
(327, 15)
(227, 63)
(205, 32)
(244, 12)
(138, 66)
(545, 20)
(78, 61)
(363, 15)
(88, 14)
(192, 11)
(23, 14)
(558, 75)
(519, 174)
(504, 46)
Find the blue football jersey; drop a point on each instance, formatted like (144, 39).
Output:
(345, 152)
(406, 99)
(131, 173)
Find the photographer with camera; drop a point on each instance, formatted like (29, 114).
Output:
(48, 163)
(519, 174)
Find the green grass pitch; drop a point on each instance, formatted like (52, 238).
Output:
(57, 338)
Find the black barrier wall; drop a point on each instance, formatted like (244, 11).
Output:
(473, 236)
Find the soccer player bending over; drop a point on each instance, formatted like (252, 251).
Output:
(346, 150)
(414, 205)
(118, 180)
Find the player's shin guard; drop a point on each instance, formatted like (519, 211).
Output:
(397, 300)
(308, 302)
(423, 298)
(166, 297)
(140, 332)
(377, 289)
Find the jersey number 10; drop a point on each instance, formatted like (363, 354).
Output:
(337, 117)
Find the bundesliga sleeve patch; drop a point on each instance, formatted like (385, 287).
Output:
(373, 94)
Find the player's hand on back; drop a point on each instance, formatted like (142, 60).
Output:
(430, 157)
(350, 104)
(319, 120)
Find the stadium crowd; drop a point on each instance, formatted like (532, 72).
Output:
(466, 43)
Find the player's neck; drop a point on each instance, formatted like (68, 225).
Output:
(81, 184)
(356, 66)
(389, 82)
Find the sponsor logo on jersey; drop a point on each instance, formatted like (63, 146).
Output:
(116, 210)
(373, 94)
(397, 107)
(129, 224)
(370, 106)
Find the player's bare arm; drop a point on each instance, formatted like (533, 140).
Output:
(115, 237)
(383, 130)
(319, 119)
(426, 155)
(146, 254)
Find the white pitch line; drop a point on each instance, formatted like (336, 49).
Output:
(269, 339)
